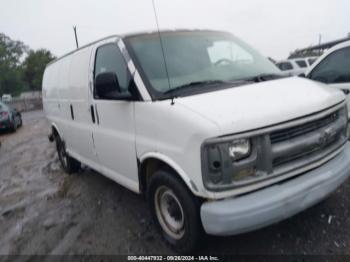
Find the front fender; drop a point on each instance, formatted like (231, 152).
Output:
(170, 162)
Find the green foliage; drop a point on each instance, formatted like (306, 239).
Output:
(20, 69)
(34, 67)
(11, 53)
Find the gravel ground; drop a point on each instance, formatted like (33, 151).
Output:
(45, 211)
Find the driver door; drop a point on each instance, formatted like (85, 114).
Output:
(114, 128)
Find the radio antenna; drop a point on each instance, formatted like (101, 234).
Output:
(161, 43)
(76, 37)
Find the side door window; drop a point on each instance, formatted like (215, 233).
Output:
(334, 69)
(301, 63)
(110, 59)
(285, 66)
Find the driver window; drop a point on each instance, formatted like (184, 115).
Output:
(333, 69)
(110, 59)
(227, 51)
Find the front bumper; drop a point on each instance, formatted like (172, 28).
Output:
(275, 203)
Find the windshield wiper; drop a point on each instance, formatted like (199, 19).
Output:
(197, 84)
(264, 77)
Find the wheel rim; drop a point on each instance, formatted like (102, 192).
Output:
(169, 212)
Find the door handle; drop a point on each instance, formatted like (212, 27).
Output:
(92, 113)
(346, 91)
(97, 116)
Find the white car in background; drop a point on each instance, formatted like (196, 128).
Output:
(6, 98)
(311, 60)
(333, 68)
(295, 67)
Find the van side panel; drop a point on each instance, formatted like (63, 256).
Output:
(67, 104)
(51, 99)
(79, 101)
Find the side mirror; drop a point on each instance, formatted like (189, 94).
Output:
(107, 86)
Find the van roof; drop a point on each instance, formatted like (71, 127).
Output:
(130, 35)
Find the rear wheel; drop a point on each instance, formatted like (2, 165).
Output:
(175, 211)
(14, 125)
(69, 164)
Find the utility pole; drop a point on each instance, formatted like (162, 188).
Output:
(319, 43)
(76, 37)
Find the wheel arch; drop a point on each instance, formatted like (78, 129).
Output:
(150, 162)
(55, 131)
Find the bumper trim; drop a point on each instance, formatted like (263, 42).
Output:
(275, 203)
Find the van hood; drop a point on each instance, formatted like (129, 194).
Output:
(259, 105)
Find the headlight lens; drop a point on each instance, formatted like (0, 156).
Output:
(239, 149)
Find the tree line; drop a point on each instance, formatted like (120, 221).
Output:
(21, 68)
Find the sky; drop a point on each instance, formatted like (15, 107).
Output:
(273, 27)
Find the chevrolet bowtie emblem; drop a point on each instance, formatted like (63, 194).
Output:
(326, 136)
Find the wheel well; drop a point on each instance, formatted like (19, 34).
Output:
(54, 134)
(148, 167)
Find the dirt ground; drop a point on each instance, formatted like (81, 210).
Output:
(45, 211)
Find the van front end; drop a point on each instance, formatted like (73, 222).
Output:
(274, 173)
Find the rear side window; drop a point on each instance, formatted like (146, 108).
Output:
(301, 63)
(284, 66)
(110, 59)
(335, 68)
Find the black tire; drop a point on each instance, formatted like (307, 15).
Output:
(20, 121)
(69, 164)
(14, 125)
(187, 238)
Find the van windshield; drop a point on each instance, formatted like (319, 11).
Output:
(204, 59)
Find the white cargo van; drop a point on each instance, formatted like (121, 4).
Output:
(201, 124)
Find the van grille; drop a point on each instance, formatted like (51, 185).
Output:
(299, 155)
(313, 139)
(286, 134)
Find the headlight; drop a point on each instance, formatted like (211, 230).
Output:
(239, 149)
(228, 161)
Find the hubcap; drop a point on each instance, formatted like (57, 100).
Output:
(169, 212)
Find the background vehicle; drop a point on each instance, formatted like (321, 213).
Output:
(311, 60)
(294, 67)
(6, 98)
(333, 68)
(10, 118)
(203, 125)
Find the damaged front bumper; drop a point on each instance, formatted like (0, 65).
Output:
(275, 203)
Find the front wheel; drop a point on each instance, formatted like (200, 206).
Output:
(175, 211)
(69, 164)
